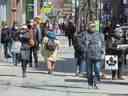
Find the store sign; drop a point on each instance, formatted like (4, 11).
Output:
(111, 62)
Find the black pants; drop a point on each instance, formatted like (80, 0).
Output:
(70, 40)
(34, 53)
(118, 72)
(6, 49)
(24, 65)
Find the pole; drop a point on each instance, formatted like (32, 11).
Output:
(13, 9)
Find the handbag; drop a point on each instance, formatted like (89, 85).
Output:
(31, 41)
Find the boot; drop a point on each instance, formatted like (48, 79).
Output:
(114, 75)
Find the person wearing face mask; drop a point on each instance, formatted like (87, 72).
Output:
(25, 48)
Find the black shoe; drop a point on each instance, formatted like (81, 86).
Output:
(24, 75)
(15, 64)
(49, 72)
(30, 65)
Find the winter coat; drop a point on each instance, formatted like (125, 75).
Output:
(5, 35)
(69, 30)
(90, 45)
(79, 43)
(25, 48)
(95, 45)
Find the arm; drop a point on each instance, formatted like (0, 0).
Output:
(82, 42)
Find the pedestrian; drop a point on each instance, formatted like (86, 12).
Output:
(70, 30)
(25, 49)
(107, 31)
(50, 47)
(35, 46)
(16, 46)
(5, 39)
(117, 74)
(79, 48)
(43, 30)
(95, 42)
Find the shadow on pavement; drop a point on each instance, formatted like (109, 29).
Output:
(66, 65)
(102, 81)
(8, 75)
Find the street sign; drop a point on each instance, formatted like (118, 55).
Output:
(111, 62)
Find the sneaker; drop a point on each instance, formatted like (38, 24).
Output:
(90, 86)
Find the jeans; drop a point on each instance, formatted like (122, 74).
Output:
(6, 49)
(16, 58)
(80, 66)
(70, 40)
(93, 67)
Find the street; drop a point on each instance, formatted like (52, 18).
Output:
(61, 83)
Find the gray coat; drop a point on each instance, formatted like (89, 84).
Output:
(91, 45)
(95, 46)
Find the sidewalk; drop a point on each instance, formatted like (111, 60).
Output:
(59, 84)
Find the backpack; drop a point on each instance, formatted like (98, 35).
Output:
(51, 45)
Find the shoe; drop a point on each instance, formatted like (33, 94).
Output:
(24, 75)
(114, 78)
(90, 86)
(15, 64)
(49, 72)
(30, 65)
(121, 78)
(104, 77)
(77, 74)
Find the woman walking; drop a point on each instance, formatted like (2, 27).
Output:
(50, 46)
(25, 49)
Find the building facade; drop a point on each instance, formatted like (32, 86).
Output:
(4, 10)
